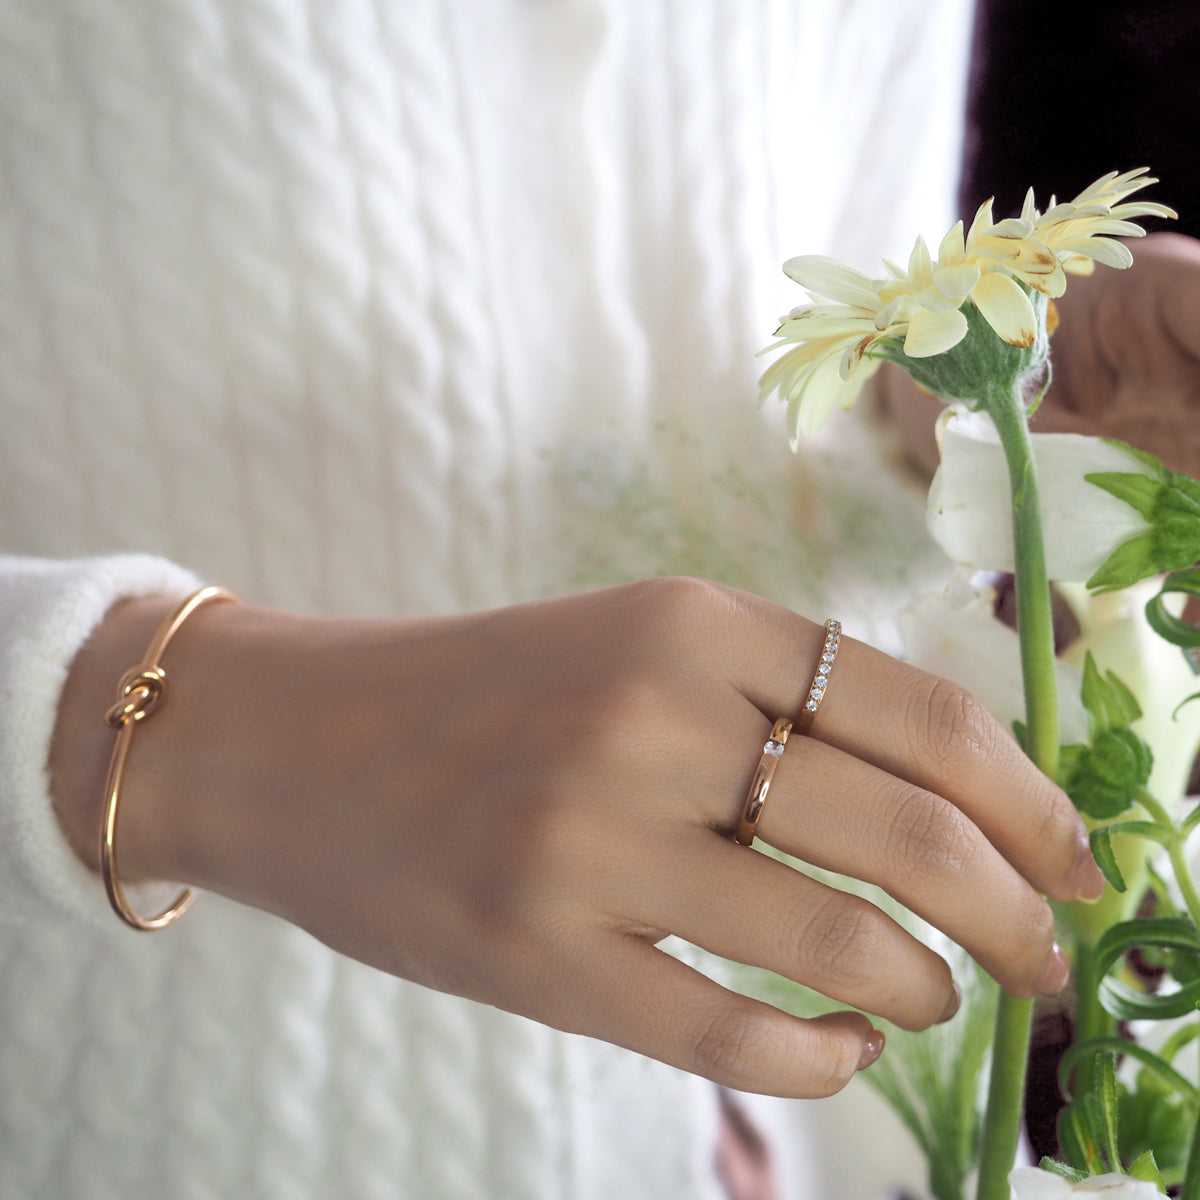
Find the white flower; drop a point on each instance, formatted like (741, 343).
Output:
(1032, 1183)
(969, 510)
(955, 634)
(1113, 628)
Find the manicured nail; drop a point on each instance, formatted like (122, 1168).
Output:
(1054, 974)
(954, 1005)
(872, 1048)
(1087, 881)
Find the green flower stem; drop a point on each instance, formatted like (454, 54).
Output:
(1090, 1018)
(1176, 853)
(1191, 1176)
(1035, 630)
(1006, 1096)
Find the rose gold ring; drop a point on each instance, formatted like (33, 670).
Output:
(760, 785)
(821, 677)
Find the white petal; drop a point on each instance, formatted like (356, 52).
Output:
(804, 327)
(957, 281)
(920, 265)
(823, 389)
(953, 247)
(1029, 210)
(1014, 227)
(1117, 1187)
(931, 333)
(1032, 1183)
(954, 634)
(832, 279)
(982, 221)
(1111, 254)
(1007, 308)
(1114, 629)
(969, 510)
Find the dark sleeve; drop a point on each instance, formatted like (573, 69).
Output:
(1062, 92)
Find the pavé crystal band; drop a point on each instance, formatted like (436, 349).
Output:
(821, 677)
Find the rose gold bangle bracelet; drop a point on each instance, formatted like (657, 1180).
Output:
(140, 691)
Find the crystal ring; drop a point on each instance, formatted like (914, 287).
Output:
(821, 677)
(760, 785)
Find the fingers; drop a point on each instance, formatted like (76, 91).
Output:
(921, 849)
(931, 734)
(630, 993)
(752, 909)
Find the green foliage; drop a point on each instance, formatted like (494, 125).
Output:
(1156, 1121)
(1168, 626)
(1170, 505)
(1104, 778)
(1128, 1003)
(1106, 860)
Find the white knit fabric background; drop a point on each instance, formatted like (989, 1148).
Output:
(363, 307)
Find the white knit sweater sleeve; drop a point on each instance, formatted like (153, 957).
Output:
(47, 611)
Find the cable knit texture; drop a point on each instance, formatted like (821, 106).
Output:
(362, 307)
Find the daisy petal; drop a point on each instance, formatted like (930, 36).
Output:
(1007, 309)
(832, 279)
(1110, 253)
(931, 333)
(956, 282)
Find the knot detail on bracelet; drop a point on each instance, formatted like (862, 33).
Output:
(138, 692)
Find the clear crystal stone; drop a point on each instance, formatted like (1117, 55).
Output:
(824, 669)
(819, 683)
(773, 747)
(827, 657)
(811, 706)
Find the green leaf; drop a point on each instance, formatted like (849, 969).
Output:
(1106, 860)
(1132, 561)
(1144, 1167)
(1106, 779)
(1154, 1064)
(1190, 821)
(1076, 1143)
(1070, 1174)
(1126, 1003)
(1169, 627)
(1103, 1103)
(1109, 702)
(1021, 734)
(1140, 492)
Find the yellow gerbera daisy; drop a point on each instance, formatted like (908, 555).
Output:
(993, 266)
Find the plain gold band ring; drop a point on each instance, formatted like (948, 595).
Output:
(760, 785)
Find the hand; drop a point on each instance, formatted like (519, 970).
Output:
(517, 805)
(1126, 360)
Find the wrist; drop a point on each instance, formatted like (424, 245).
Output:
(82, 743)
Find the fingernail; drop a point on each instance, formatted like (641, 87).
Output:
(1087, 881)
(1054, 974)
(872, 1048)
(954, 1005)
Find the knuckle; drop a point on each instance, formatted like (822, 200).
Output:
(949, 725)
(928, 838)
(839, 943)
(675, 606)
(728, 1045)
